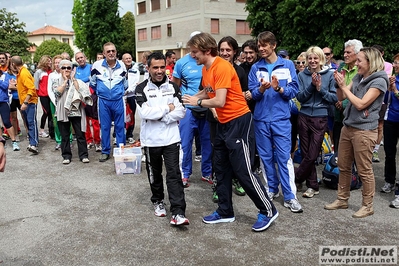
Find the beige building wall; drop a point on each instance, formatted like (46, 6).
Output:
(186, 16)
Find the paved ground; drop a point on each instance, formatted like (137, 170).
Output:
(84, 214)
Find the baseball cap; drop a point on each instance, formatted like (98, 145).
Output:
(283, 53)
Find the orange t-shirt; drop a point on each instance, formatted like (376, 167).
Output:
(222, 75)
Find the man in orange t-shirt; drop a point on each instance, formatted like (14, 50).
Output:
(234, 144)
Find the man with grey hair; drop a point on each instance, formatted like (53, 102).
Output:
(348, 69)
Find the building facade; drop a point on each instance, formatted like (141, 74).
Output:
(49, 32)
(163, 25)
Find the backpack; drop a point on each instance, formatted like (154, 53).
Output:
(331, 174)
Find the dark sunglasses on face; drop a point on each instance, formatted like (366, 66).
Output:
(68, 67)
(327, 54)
(110, 51)
(300, 62)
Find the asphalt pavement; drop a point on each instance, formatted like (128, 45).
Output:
(85, 214)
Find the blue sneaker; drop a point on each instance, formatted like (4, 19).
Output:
(215, 218)
(264, 222)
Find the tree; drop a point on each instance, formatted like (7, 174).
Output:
(128, 41)
(299, 24)
(13, 38)
(97, 22)
(52, 48)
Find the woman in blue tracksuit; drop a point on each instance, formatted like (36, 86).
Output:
(316, 94)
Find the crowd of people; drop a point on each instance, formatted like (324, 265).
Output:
(244, 107)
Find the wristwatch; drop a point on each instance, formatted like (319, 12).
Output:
(26, 103)
(278, 89)
(199, 102)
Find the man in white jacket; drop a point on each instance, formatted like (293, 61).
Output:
(160, 108)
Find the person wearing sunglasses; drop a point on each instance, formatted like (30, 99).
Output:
(300, 62)
(70, 93)
(108, 80)
(330, 62)
(316, 93)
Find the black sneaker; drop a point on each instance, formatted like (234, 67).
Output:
(104, 157)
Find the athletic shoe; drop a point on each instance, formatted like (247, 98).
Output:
(90, 145)
(6, 136)
(104, 157)
(309, 193)
(185, 182)
(388, 188)
(15, 146)
(85, 160)
(237, 188)
(215, 218)
(43, 134)
(264, 222)
(376, 159)
(130, 140)
(115, 142)
(179, 219)
(207, 179)
(98, 147)
(395, 202)
(198, 158)
(273, 195)
(215, 197)
(293, 205)
(33, 149)
(57, 146)
(159, 209)
(66, 161)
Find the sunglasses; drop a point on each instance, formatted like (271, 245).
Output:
(327, 54)
(110, 51)
(68, 67)
(300, 62)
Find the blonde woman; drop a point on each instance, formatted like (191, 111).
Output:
(359, 133)
(316, 93)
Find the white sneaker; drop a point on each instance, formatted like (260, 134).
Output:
(395, 202)
(293, 205)
(387, 188)
(43, 134)
(179, 219)
(130, 140)
(159, 208)
(273, 195)
(98, 147)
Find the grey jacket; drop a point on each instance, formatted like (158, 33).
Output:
(366, 119)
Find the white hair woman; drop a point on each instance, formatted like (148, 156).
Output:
(70, 111)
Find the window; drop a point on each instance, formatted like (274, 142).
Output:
(169, 30)
(156, 32)
(168, 3)
(242, 27)
(141, 8)
(142, 34)
(215, 26)
(65, 40)
(155, 5)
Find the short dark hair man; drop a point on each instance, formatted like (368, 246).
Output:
(160, 108)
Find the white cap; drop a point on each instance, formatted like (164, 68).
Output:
(194, 33)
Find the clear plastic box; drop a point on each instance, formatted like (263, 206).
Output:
(127, 160)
